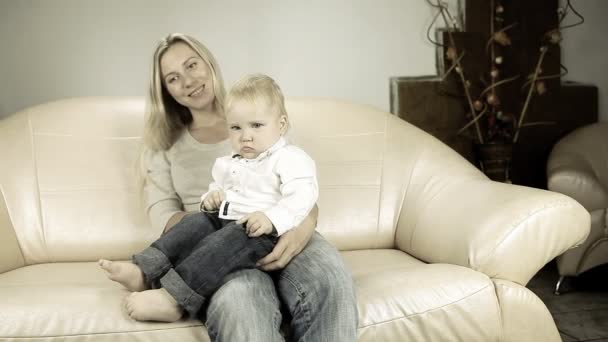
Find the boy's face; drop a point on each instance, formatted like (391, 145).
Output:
(254, 128)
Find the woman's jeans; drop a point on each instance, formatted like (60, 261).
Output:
(192, 259)
(315, 289)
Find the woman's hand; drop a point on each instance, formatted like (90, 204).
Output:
(290, 244)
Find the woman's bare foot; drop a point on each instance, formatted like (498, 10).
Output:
(153, 305)
(125, 273)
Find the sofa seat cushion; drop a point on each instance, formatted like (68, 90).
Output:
(398, 296)
(76, 299)
(402, 298)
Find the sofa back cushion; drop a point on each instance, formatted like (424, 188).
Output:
(359, 201)
(70, 184)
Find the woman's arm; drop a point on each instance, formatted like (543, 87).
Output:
(163, 206)
(291, 243)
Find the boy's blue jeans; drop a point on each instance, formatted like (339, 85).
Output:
(191, 260)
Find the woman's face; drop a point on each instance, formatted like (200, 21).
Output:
(187, 77)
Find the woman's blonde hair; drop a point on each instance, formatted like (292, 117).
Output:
(258, 89)
(165, 118)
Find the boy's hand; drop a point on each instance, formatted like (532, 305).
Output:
(256, 224)
(213, 200)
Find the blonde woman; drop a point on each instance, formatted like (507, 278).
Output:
(185, 126)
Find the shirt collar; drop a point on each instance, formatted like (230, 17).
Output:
(279, 144)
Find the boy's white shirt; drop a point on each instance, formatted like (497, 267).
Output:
(281, 182)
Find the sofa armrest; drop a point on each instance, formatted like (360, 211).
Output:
(505, 231)
(10, 252)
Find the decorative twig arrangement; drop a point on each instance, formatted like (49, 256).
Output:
(487, 103)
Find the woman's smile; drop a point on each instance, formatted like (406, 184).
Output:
(198, 91)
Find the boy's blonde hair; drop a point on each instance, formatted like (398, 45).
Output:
(258, 89)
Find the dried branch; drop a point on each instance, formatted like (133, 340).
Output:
(428, 31)
(455, 64)
(494, 36)
(565, 13)
(474, 121)
(489, 103)
(496, 84)
(522, 115)
(539, 123)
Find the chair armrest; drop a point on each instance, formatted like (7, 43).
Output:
(573, 175)
(10, 252)
(505, 231)
(577, 165)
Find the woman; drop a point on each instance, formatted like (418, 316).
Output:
(186, 126)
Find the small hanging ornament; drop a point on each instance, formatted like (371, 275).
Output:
(541, 87)
(498, 60)
(467, 84)
(458, 69)
(495, 73)
(502, 38)
(478, 105)
(493, 100)
(450, 53)
(500, 9)
(554, 36)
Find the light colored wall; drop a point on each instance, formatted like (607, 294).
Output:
(585, 49)
(332, 48)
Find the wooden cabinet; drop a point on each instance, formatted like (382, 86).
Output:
(439, 107)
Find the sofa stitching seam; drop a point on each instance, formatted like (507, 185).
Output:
(430, 310)
(108, 333)
(407, 191)
(8, 213)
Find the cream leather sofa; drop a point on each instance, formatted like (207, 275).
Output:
(437, 251)
(578, 167)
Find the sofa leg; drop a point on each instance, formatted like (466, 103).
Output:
(560, 281)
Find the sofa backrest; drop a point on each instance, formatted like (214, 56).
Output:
(68, 176)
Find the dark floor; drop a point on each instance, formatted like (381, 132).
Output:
(581, 311)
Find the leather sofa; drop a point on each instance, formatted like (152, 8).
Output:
(437, 251)
(578, 167)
